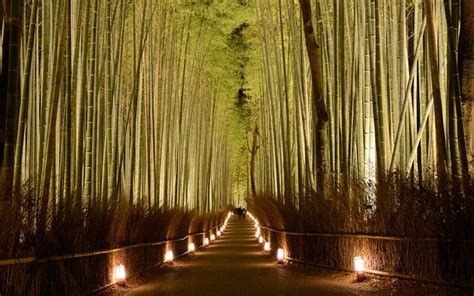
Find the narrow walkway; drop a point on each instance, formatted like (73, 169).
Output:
(235, 265)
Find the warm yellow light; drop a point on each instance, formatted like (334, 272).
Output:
(266, 247)
(359, 264)
(213, 237)
(169, 256)
(119, 274)
(280, 255)
(218, 233)
(257, 232)
(261, 240)
(206, 241)
(191, 247)
(359, 267)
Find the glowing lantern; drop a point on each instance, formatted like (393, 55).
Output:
(359, 267)
(280, 255)
(266, 247)
(206, 242)
(119, 274)
(257, 232)
(261, 240)
(191, 248)
(169, 257)
(218, 233)
(213, 237)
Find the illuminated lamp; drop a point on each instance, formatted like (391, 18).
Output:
(191, 248)
(257, 233)
(359, 267)
(280, 256)
(120, 275)
(169, 257)
(266, 247)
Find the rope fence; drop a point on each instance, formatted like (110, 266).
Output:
(346, 245)
(368, 236)
(26, 260)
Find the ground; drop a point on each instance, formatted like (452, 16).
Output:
(236, 265)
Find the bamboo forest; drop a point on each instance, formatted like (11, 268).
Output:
(341, 131)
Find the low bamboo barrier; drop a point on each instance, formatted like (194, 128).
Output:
(87, 272)
(437, 260)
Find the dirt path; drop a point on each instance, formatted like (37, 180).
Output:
(236, 265)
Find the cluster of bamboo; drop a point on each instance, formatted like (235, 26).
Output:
(108, 100)
(112, 100)
(391, 90)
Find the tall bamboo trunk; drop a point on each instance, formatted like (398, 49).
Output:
(13, 91)
(314, 55)
(435, 82)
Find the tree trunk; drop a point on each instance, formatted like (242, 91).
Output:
(433, 55)
(314, 55)
(13, 90)
(466, 62)
(253, 154)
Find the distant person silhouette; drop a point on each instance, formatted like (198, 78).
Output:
(244, 212)
(240, 212)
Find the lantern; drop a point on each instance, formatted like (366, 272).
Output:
(169, 257)
(191, 248)
(280, 255)
(119, 274)
(359, 267)
(266, 247)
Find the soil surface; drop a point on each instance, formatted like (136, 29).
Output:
(236, 265)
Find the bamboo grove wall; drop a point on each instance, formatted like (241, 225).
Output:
(83, 273)
(435, 260)
(384, 114)
(418, 242)
(118, 99)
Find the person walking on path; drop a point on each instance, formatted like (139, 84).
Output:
(240, 212)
